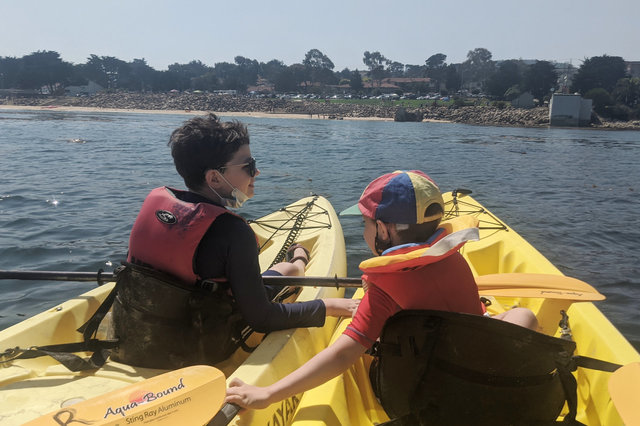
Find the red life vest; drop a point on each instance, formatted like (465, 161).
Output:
(167, 232)
(431, 275)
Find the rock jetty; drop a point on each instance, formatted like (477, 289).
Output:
(479, 115)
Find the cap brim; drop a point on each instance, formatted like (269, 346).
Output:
(351, 211)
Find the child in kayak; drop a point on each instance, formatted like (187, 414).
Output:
(417, 266)
(191, 235)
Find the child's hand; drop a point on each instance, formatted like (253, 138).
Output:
(341, 307)
(247, 396)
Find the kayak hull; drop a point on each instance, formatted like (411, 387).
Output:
(349, 400)
(32, 387)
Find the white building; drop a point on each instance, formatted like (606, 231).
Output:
(88, 89)
(569, 110)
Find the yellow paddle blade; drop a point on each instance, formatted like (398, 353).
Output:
(537, 285)
(189, 396)
(624, 388)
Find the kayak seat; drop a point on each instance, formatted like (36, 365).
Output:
(434, 368)
(160, 322)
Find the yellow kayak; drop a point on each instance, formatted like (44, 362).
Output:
(349, 400)
(30, 388)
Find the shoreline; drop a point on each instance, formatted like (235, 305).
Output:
(196, 104)
(257, 114)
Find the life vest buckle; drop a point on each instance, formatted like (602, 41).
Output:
(208, 286)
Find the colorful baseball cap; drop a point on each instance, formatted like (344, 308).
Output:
(399, 197)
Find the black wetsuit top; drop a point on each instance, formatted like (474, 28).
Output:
(229, 249)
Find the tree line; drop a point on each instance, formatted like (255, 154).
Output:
(601, 78)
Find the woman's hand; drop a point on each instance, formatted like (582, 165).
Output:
(341, 307)
(247, 396)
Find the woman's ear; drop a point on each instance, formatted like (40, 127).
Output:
(212, 178)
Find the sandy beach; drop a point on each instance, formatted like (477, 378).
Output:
(66, 108)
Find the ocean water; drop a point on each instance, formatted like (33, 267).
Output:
(71, 184)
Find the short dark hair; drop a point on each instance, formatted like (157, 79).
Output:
(421, 232)
(204, 143)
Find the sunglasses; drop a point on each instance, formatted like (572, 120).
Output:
(249, 166)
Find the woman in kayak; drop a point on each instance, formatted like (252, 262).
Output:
(192, 236)
(417, 266)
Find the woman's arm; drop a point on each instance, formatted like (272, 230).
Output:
(326, 365)
(229, 249)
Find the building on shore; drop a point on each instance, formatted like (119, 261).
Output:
(633, 69)
(569, 111)
(91, 88)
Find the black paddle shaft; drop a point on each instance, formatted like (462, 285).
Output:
(102, 277)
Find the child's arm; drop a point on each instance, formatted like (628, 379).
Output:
(324, 366)
(341, 307)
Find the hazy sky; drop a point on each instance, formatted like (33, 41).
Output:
(408, 31)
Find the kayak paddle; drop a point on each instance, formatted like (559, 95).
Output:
(624, 388)
(186, 396)
(546, 286)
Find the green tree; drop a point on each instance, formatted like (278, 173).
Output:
(512, 93)
(285, 81)
(77, 76)
(228, 76)
(627, 91)
(319, 67)
(540, 79)
(376, 63)
(300, 75)
(272, 69)
(396, 69)
(10, 70)
(436, 61)
(414, 71)
(453, 79)
(601, 99)
(185, 72)
(165, 81)
(355, 81)
(118, 72)
(207, 81)
(436, 69)
(478, 66)
(315, 59)
(108, 71)
(345, 74)
(45, 69)
(599, 71)
(506, 76)
(142, 75)
(93, 70)
(248, 70)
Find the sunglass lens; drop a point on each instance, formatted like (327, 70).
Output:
(251, 167)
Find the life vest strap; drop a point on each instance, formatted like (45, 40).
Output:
(64, 353)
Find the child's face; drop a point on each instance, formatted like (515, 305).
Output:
(369, 233)
(239, 177)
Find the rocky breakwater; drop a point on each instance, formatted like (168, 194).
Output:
(490, 115)
(209, 102)
(482, 115)
(217, 103)
(479, 114)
